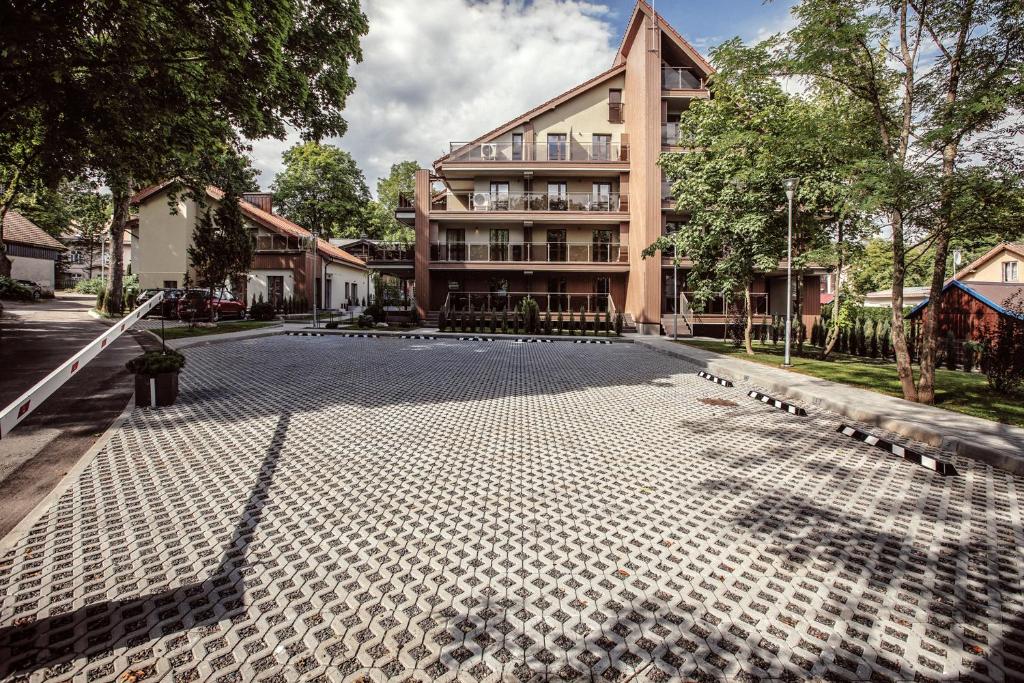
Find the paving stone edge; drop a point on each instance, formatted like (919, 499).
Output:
(13, 536)
(738, 369)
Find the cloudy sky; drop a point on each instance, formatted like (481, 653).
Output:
(435, 71)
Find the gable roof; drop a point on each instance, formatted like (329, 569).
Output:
(540, 108)
(20, 230)
(985, 292)
(642, 7)
(278, 224)
(1012, 247)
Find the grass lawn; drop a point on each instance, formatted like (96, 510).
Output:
(221, 328)
(960, 391)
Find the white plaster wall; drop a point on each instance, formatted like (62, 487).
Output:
(38, 270)
(256, 284)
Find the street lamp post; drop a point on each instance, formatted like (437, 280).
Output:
(316, 272)
(790, 185)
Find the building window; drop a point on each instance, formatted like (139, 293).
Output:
(170, 284)
(348, 292)
(1010, 271)
(615, 106)
(558, 196)
(558, 147)
(601, 147)
(517, 146)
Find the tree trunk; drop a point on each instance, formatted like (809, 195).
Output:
(899, 337)
(749, 322)
(833, 333)
(120, 189)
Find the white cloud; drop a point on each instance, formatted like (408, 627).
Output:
(450, 70)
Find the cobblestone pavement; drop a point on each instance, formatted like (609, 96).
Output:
(332, 508)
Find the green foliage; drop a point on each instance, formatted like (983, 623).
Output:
(93, 285)
(608, 320)
(561, 322)
(442, 321)
(504, 321)
(530, 311)
(262, 310)
(1002, 359)
(380, 221)
(494, 322)
(322, 189)
(101, 299)
(619, 322)
(154, 363)
(14, 290)
(222, 246)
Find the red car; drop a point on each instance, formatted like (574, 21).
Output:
(195, 305)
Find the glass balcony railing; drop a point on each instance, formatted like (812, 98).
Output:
(532, 201)
(552, 150)
(669, 134)
(680, 78)
(537, 252)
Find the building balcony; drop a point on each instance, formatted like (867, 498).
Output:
(680, 78)
(502, 203)
(530, 252)
(670, 135)
(567, 151)
(458, 303)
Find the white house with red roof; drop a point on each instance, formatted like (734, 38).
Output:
(283, 266)
(33, 252)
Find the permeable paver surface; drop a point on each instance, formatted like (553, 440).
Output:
(335, 508)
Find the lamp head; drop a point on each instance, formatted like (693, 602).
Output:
(789, 184)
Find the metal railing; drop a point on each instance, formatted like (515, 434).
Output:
(568, 150)
(383, 251)
(680, 78)
(477, 302)
(515, 252)
(533, 201)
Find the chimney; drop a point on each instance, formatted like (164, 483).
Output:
(261, 200)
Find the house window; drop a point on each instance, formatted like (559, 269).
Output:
(348, 291)
(499, 244)
(499, 196)
(170, 284)
(517, 146)
(558, 196)
(601, 147)
(455, 244)
(1010, 271)
(558, 147)
(615, 106)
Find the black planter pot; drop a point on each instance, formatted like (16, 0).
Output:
(164, 386)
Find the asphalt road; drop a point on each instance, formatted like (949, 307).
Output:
(34, 339)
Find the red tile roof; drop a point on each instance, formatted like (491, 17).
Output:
(20, 230)
(278, 224)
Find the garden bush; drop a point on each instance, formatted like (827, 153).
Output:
(14, 290)
(531, 315)
(155, 363)
(619, 322)
(442, 321)
(101, 298)
(262, 310)
(1002, 359)
(561, 320)
(93, 285)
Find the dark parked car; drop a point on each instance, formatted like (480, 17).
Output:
(37, 291)
(195, 305)
(168, 307)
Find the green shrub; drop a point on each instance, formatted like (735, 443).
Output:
(873, 347)
(155, 363)
(333, 325)
(12, 289)
(101, 298)
(547, 321)
(130, 289)
(619, 322)
(972, 350)
(561, 322)
(608, 321)
(262, 310)
(494, 322)
(504, 321)
(93, 285)
(442, 321)
(531, 315)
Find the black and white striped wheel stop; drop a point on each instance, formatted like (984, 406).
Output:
(717, 380)
(944, 468)
(781, 405)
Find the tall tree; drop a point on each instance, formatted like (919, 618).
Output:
(140, 91)
(380, 215)
(222, 245)
(941, 78)
(740, 145)
(322, 189)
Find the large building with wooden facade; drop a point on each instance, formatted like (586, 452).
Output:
(560, 202)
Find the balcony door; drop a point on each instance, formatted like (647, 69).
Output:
(558, 196)
(558, 147)
(601, 197)
(557, 299)
(601, 147)
(499, 244)
(556, 245)
(499, 196)
(455, 241)
(602, 290)
(601, 246)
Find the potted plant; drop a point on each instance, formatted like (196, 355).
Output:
(156, 377)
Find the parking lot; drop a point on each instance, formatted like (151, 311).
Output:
(330, 508)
